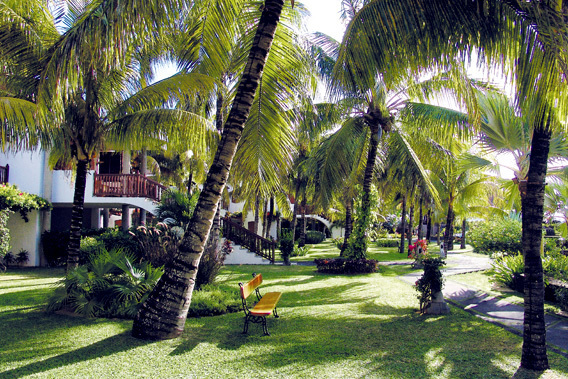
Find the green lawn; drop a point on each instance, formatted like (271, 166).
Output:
(330, 327)
(326, 249)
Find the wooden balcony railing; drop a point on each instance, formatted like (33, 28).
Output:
(4, 174)
(252, 241)
(127, 185)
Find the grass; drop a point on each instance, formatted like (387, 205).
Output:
(330, 326)
(326, 249)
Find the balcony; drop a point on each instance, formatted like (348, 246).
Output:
(127, 185)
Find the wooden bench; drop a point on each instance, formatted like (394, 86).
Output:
(265, 306)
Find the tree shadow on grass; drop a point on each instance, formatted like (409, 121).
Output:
(116, 344)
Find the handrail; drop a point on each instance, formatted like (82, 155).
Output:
(127, 185)
(4, 174)
(252, 241)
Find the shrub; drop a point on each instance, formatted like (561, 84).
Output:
(213, 300)
(431, 281)
(22, 257)
(157, 244)
(211, 262)
(346, 266)
(561, 295)
(109, 285)
(117, 238)
(286, 244)
(89, 246)
(314, 237)
(300, 251)
(338, 242)
(506, 269)
(387, 242)
(9, 259)
(501, 235)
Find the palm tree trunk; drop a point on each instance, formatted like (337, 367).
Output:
(348, 224)
(449, 232)
(420, 217)
(163, 314)
(302, 239)
(256, 214)
(429, 226)
(363, 218)
(402, 225)
(264, 218)
(534, 336)
(464, 225)
(269, 219)
(295, 212)
(410, 224)
(77, 216)
(438, 233)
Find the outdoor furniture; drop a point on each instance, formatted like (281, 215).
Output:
(266, 304)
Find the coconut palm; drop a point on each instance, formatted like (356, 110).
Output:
(163, 314)
(99, 103)
(528, 39)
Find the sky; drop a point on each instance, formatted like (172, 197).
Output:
(325, 17)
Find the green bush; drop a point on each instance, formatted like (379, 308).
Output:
(387, 242)
(109, 285)
(117, 238)
(314, 237)
(501, 235)
(212, 300)
(431, 281)
(561, 295)
(286, 243)
(507, 269)
(346, 266)
(300, 251)
(338, 242)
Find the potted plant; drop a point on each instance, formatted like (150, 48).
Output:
(430, 288)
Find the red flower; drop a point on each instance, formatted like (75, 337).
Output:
(20, 194)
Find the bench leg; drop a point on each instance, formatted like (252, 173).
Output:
(245, 330)
(265, 327)
(275, 313)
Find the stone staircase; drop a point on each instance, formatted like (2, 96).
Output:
(248, 247)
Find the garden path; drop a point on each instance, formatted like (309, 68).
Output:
(491, 308)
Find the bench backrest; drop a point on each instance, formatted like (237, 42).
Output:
(249, 288)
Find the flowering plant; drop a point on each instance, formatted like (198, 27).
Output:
(418, 251)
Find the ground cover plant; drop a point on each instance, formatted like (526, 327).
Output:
(318, 335)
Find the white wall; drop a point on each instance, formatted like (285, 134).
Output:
(26, 170)
(26, 235)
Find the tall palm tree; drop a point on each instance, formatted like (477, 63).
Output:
(528, 39)
(163, 315)
(98, 103)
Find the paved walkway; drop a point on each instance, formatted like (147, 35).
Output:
(491, 308)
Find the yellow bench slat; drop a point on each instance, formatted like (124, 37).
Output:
(267, 304)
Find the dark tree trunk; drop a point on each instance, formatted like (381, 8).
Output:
(410, 224)
(420, 221)
(402, 225)
(269, 219)
(256, 214)
(464, 225)
(302, 239)
(264, 210)
(438, 226)
(77, 216)
(295, 212)
(163, 314)
(449, 232)
(429, 226)
(374, 119)
(534, 355)
(348, 224)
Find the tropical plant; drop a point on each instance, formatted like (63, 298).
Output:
(496, 235)
(109, 285)
(176, 207)
(431, 281)
(528, 39)
(83, 85)
(163, 315)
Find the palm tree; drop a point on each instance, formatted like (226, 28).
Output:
(163, 315)
(97, 103)
(528, 38)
